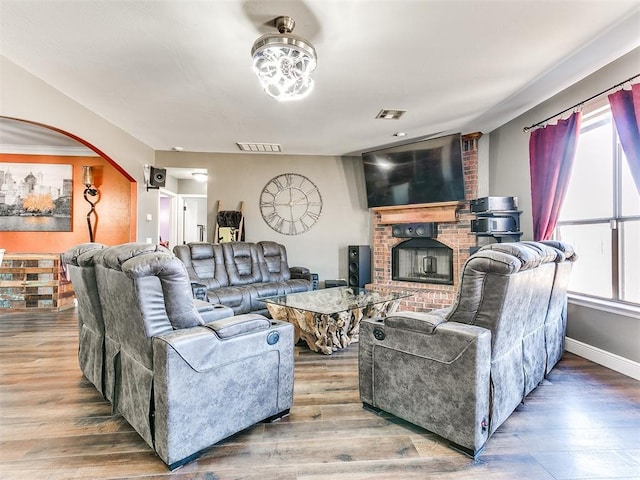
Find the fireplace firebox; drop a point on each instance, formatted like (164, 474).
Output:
(422, 260)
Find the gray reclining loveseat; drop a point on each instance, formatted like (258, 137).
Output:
(186, 374)
(460, 372)
(236, 274)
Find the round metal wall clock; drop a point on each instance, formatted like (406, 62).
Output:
(290, 203)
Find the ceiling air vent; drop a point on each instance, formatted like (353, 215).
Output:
(387, 114)
(259, 147)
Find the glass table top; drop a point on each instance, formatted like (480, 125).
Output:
(334, 300)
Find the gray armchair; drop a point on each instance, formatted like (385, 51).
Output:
(105, 288)
(189, 377)
(460, 372)
(79, 262)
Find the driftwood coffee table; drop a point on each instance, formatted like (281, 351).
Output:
(329, 319)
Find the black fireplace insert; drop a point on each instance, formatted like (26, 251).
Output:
(422, 260)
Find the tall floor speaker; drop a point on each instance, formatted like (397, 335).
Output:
(359, 265)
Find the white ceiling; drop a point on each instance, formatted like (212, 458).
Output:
(178, 72)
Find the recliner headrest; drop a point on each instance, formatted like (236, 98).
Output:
(70, 257)
(547, 254)
(115, 256)
(494, 261)
(270, 249)
(174, 281)
(565, 248)
(528, 256)
(201, 251)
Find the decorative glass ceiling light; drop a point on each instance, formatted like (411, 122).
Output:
(284, 62)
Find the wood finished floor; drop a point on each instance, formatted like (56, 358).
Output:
(583, 422)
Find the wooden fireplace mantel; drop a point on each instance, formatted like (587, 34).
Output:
(419, 213)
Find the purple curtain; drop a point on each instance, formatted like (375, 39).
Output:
(625, 106)
(552, 150)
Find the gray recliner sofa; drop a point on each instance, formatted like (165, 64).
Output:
(236, 274)
(186, 374)
(99, 346)
(81, 271)
(460, 372)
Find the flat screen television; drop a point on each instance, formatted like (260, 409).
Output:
(428, 171)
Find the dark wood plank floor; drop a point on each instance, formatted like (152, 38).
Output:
(583, 422)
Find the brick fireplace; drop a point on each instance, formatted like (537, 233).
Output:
(453, 230)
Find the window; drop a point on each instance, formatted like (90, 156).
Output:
(600, 216)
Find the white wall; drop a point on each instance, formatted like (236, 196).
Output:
(191, 187)
(509, 175)
(344, 220)
(26, 97)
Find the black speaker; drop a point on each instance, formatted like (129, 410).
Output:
(413, 230)
(314, 281)
(158, 177)
(359, 265)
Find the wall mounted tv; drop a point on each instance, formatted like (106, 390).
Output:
(428, 171)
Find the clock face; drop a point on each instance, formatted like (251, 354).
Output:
(290, 203)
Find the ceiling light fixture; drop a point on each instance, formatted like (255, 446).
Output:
(283, 62)
(200, 176)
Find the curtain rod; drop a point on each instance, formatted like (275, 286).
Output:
(527, 129)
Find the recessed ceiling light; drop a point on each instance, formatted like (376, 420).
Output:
(389, 114)
(200, 176)
(399, 134)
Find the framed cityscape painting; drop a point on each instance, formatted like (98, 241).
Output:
(35, 197)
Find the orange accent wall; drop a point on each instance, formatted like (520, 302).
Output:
(116, 222)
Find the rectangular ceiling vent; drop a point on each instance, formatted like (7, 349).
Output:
(387, 114)
(259, 147)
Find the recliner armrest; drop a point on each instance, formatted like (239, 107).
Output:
(239, 325)
(443, 342)
(210, 312)
(300, 272)
(417, 321)
(203, 350)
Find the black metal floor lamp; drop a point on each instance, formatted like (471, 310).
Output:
(87, 180)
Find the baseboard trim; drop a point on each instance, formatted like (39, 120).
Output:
(606, 359)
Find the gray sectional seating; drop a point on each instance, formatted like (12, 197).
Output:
(185, 374)
(236, 274)
(460, 372)
(80, 267)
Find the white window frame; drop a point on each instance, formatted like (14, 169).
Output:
(594, 111)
